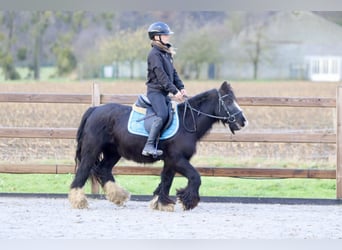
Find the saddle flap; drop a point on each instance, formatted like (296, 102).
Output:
(139, 119)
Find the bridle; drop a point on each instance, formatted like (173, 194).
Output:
(230, 118)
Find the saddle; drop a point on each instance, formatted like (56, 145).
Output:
(142, 114)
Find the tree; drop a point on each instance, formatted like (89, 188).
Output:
(40, 22)
(254, 49)
(66, 61)
(76, 24)
(72, 23)
(251, 43)
(198, 48)
(126, 46)
(36, 38)
(253, 46)
(6, 58)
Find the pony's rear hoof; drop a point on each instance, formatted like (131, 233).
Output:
(157, 205)
(77, 198)
(115, 193)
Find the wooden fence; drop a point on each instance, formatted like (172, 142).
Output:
(96, 98)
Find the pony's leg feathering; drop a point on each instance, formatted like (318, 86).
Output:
(161, 200)
(115, 193)
(155, 204)
(77, 198)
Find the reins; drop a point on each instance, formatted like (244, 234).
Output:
(186, 106)
(230, 118)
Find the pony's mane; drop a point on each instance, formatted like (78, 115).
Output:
(225, 89)
(197, 100)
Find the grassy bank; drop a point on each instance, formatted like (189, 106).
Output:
(145, 185)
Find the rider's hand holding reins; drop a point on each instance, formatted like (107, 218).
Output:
(179, 96)
(184, 93)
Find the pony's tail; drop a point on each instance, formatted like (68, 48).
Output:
(79, 135)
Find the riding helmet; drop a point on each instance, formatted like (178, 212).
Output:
(159, 28)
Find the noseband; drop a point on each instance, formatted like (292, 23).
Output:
(230, 118)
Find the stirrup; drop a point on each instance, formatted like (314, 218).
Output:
(155, 153)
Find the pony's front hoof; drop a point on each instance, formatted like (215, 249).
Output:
(116, 194)
(188, 200)
(77, 198)
(155, 204)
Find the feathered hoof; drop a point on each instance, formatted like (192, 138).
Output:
(77, 198)
(115, 193)
(188, 200)
(157, 205)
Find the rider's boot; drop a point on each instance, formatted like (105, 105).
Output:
(150, 146)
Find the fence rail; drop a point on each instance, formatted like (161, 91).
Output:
(97, 98)
(128, 99)
(204, 171)
(70, 133)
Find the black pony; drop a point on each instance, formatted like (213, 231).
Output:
(103, 138)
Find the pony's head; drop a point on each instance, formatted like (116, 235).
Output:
(230, 109)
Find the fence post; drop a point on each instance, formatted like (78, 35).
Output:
(96, 100)
(339, 143)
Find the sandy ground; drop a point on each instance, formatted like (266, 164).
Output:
(53, 218)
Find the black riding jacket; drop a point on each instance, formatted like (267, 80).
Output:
(161, 74)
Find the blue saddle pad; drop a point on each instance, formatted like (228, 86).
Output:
(136, 125)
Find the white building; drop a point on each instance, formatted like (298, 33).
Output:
(324, 68)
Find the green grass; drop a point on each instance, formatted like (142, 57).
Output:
(211, 186)
(145, 185)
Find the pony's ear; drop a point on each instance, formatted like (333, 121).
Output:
(225, 86)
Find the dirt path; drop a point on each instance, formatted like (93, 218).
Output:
(52, 218)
